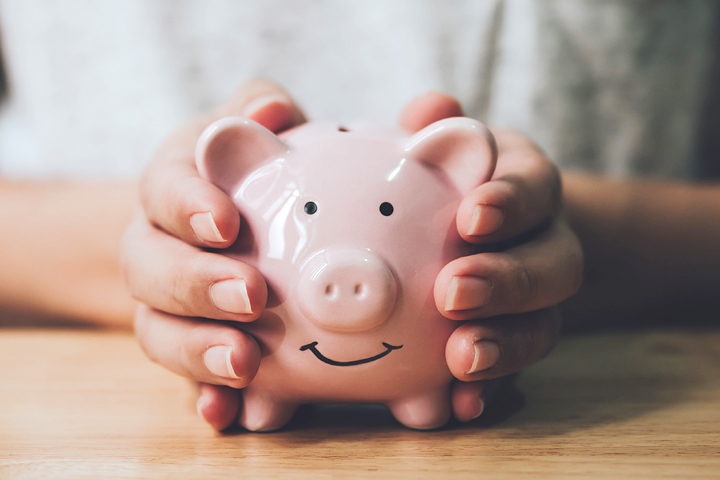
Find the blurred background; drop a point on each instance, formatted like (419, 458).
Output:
(626, 88)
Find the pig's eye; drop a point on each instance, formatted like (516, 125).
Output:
(386, 209)
(311, 208)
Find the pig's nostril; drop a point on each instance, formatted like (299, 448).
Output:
(360, 290)
(331, 291)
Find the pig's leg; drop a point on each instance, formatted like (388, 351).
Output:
(261, 412)
(427, 410)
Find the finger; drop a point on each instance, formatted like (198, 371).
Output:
(524, 192)
(266, 103)
(173, 195)
(202, 351)
(218, 406)
(483, 350)
(469, 399)
(167, 274)
(539, 273)
(428, 108)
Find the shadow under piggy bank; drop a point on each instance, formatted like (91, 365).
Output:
(590, 380)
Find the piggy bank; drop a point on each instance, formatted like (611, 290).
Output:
(349, 227)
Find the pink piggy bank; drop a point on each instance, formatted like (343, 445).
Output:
(349, 227)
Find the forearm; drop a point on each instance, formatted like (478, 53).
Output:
(59, 250)
(651, 249)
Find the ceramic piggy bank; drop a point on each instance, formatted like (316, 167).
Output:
(349, 227)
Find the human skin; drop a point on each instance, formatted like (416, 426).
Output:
(658, 231)
(75, 277)
(60, 240)
(59, 252)
(651, 251)
(167, 271)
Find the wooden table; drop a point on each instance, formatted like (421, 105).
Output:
(87, 404)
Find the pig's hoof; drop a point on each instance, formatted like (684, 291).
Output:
(261, 414)
(423, 412)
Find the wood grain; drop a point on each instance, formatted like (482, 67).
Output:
(87, 404)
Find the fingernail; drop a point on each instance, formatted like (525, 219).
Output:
(487, 354)
(486, 219)
(467, 292)
(261, 102)
(203, 224)
(219, 361)
(480, 408)
(231, 296)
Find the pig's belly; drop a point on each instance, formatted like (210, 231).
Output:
(354, 368)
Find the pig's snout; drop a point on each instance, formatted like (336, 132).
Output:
(346, 290)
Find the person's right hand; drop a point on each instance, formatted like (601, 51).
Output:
(178, 282)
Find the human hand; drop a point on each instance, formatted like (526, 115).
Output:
(181, 284)
(181, 343)
(537, 265)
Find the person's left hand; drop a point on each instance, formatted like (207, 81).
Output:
(507, 294)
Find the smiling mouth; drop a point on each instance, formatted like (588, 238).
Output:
(323, 358)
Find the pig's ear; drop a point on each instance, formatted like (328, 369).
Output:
(231, 148)
(462, 147)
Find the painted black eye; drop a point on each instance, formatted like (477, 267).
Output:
(310, 208)
(386, 209)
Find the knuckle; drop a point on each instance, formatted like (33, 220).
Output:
(549, 172)
(142, 327)
(528, 285)
(189, 287)
(180, 200)
(126, 270)
(178, 287)
(185, 353)
(555, 182)
(130, 277)
(510, 137)
(548, 189)
(139, 322)
(512, 190)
